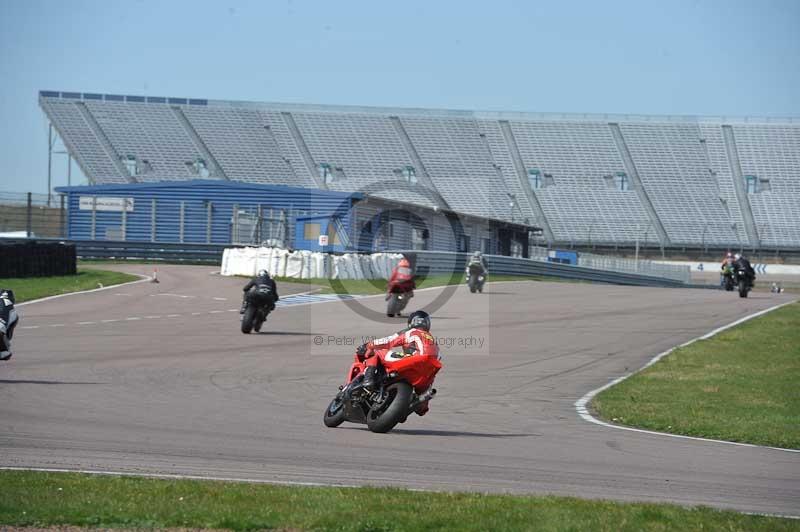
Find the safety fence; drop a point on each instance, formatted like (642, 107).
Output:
(306, 264)
(309, 265)
(28, 215)
(620, 265)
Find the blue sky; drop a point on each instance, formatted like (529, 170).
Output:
(711, 57)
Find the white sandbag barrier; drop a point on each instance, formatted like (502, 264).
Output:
(305, 264)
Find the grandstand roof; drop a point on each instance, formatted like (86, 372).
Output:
(459, 113)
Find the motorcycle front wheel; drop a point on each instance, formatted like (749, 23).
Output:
(742, 288)
(385, 415)
(334, 414)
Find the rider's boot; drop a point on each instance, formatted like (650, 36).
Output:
(370, 378)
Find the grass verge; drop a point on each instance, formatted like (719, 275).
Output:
(53, 499)
(29, 288)
(740, 385)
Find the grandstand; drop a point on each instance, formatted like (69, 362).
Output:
(602, 180)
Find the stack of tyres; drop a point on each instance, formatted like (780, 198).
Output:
(37, 259)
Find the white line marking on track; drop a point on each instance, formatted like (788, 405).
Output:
(196, 313)
(48, 298)
(133, 318)
(29, 327)
(173, 315)
(57, 325)
(215, 311)
(109, 321)
(581, 405)
(151, 317)
(86, 322)
(220, 299)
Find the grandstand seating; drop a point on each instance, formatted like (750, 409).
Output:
(686, 173)
(674, 170)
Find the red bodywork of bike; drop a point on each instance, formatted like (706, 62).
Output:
(417, 370)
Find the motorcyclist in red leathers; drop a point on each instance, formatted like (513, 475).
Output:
(415, 340)
(402, 278)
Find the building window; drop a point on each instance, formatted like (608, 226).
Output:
(751, 183)
(366, 227)
(463, 243)
(311, 231)
(535, 178)
(419, 238)
(622, 181)
(410, 175)
(129, 161)
(325, 173)
(487, 246)
(198, 167)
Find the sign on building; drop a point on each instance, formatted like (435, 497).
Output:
(86, 203)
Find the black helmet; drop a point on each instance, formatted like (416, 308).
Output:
(419, 319)
(264, 274)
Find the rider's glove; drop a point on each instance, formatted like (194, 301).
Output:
(361, 351)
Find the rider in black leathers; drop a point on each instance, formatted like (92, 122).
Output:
(261, 279)
(741, 263)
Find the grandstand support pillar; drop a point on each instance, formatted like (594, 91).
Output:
(62, 220)
(69, 169)
(522, 174)
(181, 222)
(633, 173)
(412, 153)
(124, 225)
(49, 162)
(28, 216)
(300, 142)
(738, 186)
(209, 213)
(153, 220)
(235, 224)
(94, 217)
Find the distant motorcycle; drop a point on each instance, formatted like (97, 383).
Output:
(743, 281)
(405, 381)
(397, 299)
(260, 302)
(475, 278)
(728, 282)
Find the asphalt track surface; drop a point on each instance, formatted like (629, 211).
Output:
(157, 378)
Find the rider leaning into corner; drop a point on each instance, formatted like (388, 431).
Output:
(402, 278)
(262, 278)
(8, 321)
(415, 340)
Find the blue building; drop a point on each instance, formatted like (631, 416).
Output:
(206, 211)
(211, 211)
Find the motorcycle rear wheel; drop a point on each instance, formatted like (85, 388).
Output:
(742, 288)
(248, 318)
(385, 416)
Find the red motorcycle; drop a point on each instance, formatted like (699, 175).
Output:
(404, 382)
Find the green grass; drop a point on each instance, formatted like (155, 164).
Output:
(741, 385)
(378, 286)
(52, 499)
(29, 288)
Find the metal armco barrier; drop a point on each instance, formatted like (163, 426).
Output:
(437, 262)
(426, 262)
(102, 249)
